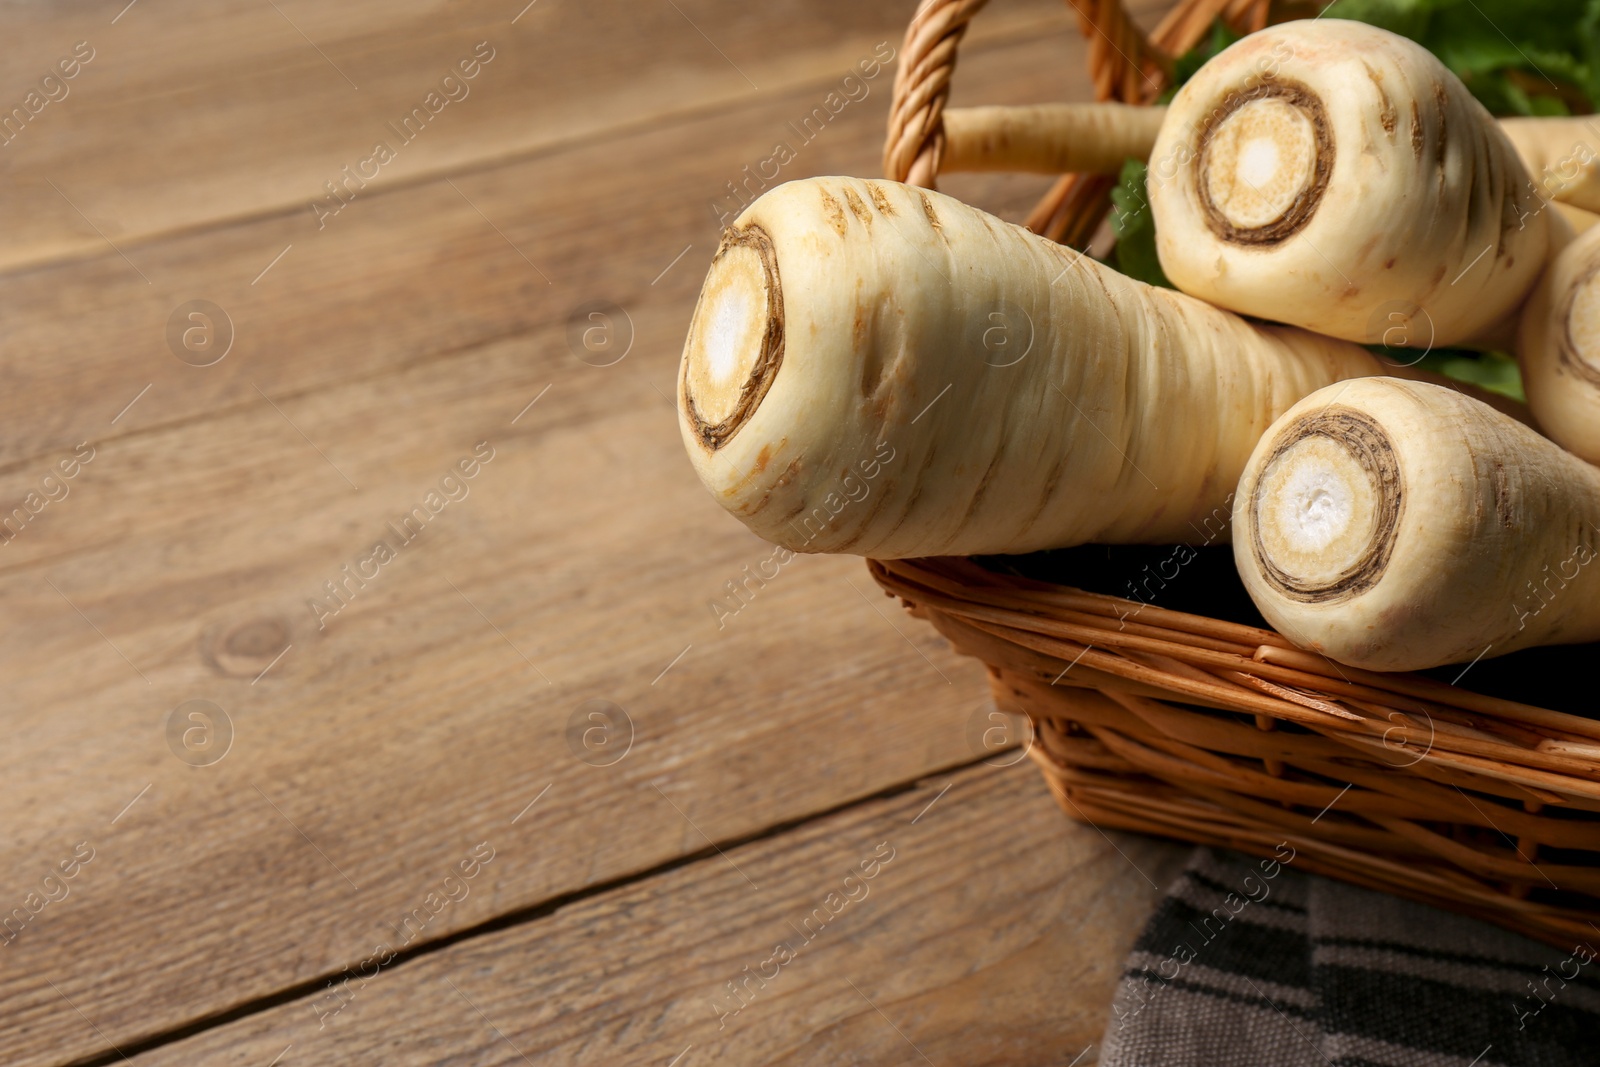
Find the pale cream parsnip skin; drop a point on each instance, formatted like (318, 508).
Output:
(1335, 176)
(1559, 153)
(878, 369)
(1580, 219)
(1399, 525)
(1559, 348)
(1049, 138)
(1562, 153)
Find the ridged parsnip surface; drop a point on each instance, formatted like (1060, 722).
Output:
(1336, 176)
(1559, 347)
(1400, 525)
(1562, 154)
(931, 380)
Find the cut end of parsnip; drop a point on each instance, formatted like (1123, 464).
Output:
(1264, 162)
(1326, 506)
(1558, 347)
(1580, 349)
(1454, 532)
(1338, 177)
(735, 344)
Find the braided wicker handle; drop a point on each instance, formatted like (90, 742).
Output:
(1124, 65)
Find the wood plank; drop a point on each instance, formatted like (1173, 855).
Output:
(414, 272)
(993, 935)
(192, 551)
(181, 561)
(378, 748)
(178, 122)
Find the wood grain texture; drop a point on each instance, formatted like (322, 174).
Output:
(369, 758)
(422, 271)
(992, 936)
(192, 549)
(369, 754)
(184, 119)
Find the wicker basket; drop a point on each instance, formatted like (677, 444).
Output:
(1208, 731)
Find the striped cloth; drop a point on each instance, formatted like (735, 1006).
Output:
(1250, 962)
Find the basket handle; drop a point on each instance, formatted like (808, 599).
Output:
(915, 142)
(1124, 65)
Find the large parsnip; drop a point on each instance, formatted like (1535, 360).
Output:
(1336, 176)
(1559, 347)
(1398, 525)
(878, 369)
(1561, 155)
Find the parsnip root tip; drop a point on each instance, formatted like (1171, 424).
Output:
(736, 339)
(1326, 506)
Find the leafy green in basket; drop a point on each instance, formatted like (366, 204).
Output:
(1494, 371)
(1519, 57)
(1135, 228)
(1186, 65)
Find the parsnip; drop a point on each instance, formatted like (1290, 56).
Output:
(1562, 156)
(878, 369)
(1558, 152)
(1336, 176)
(1558, 346)
(1580, 219)
(1400, 525)
(1048, 138)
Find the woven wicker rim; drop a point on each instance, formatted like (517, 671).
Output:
(1361, 771)
(1542, 755)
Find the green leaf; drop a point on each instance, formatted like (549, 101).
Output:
(1498, 93)
(1135, 228)
(1186, 65)
(1554, 44)
(1548, 106)
(1494, 371)
(1408, 18)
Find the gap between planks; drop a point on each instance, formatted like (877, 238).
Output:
(533, 913)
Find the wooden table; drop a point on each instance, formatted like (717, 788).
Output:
(502, 791)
